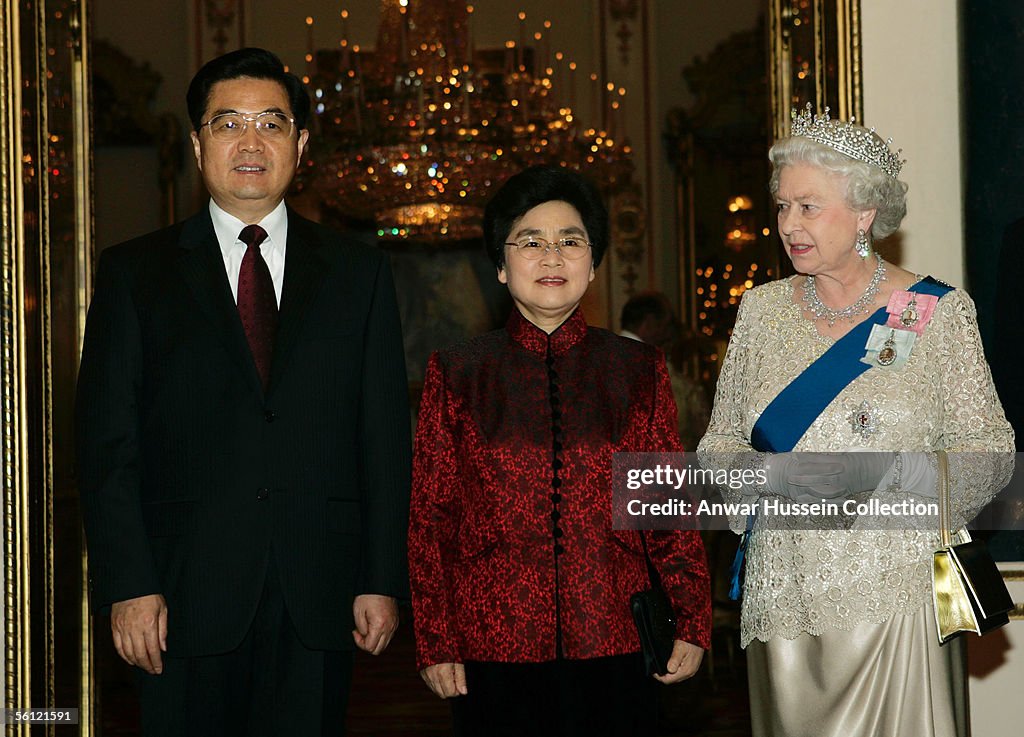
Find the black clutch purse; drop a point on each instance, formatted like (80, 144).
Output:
(655, 621)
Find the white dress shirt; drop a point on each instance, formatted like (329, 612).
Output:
(227, 227)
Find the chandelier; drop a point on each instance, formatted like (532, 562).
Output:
(419, 133)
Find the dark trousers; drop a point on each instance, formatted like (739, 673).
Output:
(601, 696)
(271, 685)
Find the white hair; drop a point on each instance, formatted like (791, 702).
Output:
(867, 186)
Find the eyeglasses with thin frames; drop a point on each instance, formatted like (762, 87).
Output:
(533, 247)
(269, 125)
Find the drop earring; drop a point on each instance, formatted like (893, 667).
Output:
(863, 245)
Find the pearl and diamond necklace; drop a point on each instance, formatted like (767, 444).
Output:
(863, 304)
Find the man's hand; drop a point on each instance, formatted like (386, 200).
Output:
(140, 631)
(684, 662)
(376, 621)
(446, 679)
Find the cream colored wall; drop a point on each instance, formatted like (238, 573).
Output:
(996, 664)
(911, 93)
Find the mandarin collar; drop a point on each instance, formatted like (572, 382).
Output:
(533, 339)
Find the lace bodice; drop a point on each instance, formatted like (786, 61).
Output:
(943, 398)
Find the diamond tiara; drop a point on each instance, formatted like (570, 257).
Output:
(849, 139)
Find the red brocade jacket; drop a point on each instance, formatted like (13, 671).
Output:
(512, 554)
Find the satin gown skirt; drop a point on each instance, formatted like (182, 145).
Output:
(879, 680)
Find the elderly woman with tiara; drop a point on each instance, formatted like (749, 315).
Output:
(851, 354)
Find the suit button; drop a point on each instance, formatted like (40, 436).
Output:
(270, 415)
(558, 532)
(262, 494)
(559, 550)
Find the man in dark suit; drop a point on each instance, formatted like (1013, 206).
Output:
(243, 436)
(648, 317)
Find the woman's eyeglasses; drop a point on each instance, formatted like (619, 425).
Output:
(533, 247)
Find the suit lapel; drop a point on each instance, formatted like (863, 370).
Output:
(202, 267)
(304, 272)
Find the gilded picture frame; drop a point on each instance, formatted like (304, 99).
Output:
(814, 56)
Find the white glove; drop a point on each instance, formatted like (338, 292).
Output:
(810, 477)
(917, 476)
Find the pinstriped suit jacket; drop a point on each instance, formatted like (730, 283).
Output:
(189, 474)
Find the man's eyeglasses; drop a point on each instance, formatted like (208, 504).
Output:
(270, 126)
(533, 247)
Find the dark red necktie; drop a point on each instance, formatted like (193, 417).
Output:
(257, 302)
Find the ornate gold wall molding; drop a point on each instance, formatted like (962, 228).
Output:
(624, 14)
(16, 656)
(81, 73)
(46, 203)
(815, 53)
(718, 150)
(629, 227)
(219, 27)
(624, 63)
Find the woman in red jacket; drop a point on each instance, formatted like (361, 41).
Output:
(520, 585)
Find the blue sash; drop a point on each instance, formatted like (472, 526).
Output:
(788, 416)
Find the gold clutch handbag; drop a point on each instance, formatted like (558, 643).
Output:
(968, 591)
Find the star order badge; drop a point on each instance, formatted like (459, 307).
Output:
(863, 420)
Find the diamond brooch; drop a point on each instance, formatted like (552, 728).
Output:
(864, 420)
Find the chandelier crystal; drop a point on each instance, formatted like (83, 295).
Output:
(418, 134)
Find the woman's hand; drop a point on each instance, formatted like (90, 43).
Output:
(810, 476)
(684, 662)
(448, 679)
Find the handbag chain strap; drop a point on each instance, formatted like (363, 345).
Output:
(944, 532)
(652, 572)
